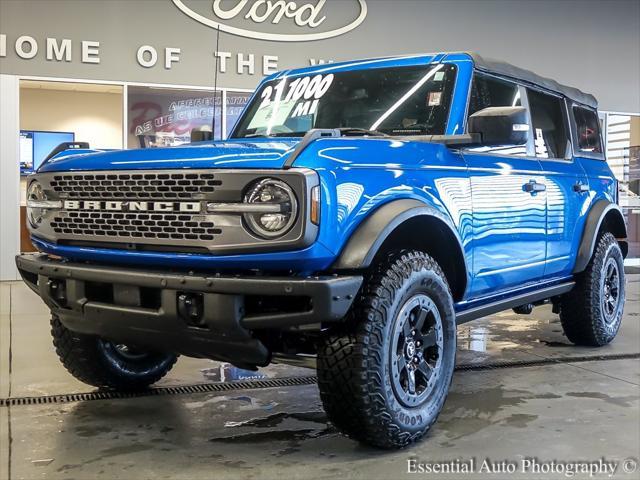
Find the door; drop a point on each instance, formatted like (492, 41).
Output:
(509, 202)
(565, 179)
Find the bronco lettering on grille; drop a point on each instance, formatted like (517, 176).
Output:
(118, 206)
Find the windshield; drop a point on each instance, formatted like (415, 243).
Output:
(394, 101)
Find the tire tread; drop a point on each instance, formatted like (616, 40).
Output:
(580, 313)
(348, 376)
(82, 358)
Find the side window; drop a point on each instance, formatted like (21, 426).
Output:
(492, 92)
(587, 130)
(487, 92)
(550, 135)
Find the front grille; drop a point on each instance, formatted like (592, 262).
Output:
(163, 210)
(135, 185)
(135, 225)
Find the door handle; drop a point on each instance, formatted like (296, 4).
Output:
(580, 187)
(534, 187)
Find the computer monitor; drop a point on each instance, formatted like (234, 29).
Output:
(35, 145)
(26, 151)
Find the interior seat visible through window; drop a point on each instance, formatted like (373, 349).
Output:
(549, 127)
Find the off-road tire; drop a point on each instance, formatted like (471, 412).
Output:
(354, 371)
(581, 310)
(96, 362)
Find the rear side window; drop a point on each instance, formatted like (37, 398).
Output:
(587, 130)
(549, 127)
(492, 92)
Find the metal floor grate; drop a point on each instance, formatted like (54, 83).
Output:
(280, 382)
(160, 391)
(548, 361)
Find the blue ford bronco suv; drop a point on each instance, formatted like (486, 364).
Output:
(357, 213)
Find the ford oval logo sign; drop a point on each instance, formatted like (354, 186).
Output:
(310, 16)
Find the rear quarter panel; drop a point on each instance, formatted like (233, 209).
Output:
(602, 183)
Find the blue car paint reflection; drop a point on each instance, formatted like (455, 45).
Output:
(511, 238)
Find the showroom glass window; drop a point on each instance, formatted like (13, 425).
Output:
(587, 130)
(234, 105)
(164, 117)
(487, 91)
(397, 101)
(550, 133)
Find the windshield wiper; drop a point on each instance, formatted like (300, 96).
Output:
(256, 135)
(273, 135)
(361, 131)
(345, 131)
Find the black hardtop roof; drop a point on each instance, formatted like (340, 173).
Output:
(506, 69)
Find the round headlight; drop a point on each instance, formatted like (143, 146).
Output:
(276, 208)
(35, 192)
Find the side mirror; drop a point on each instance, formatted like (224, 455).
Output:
(500, 126)
(201, 134)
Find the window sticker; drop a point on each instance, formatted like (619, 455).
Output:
(540, 144)
(307, 88)
(434, 99)
(438, 77)
(267, 116)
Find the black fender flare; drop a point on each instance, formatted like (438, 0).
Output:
(600, 210)
(365, 242)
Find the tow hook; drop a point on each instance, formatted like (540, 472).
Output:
(58, 291)
(191, 309)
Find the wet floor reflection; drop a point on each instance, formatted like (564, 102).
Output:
(225, 372)
(510, 331)
(474, 339)
(192, 370)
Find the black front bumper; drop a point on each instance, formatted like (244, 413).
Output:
(144, 308)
